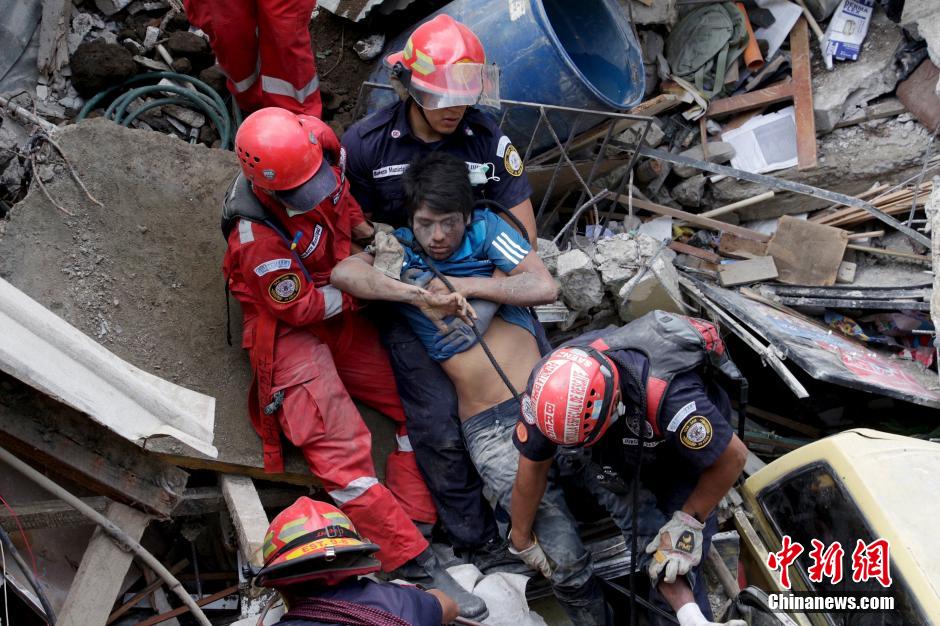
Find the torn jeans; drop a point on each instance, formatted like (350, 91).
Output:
(488, 437)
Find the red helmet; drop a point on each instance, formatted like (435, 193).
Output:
(443, 65)
(313, 540)
(573, 396)
(277, 150)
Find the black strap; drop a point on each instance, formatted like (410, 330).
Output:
(330, 532)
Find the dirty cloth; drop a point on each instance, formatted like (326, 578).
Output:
(264, 48)
(488, 437)
(504, 594)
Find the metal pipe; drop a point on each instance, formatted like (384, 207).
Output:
(120, 538)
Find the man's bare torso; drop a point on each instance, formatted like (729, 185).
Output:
(478, 385)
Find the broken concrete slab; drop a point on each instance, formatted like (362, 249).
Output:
(143, 275)
(548, 252)
(689, 192)
(658, 288)
(746, 272)
(853, 84)
(581, 287)
(654, 136)
(846, 273)
(718, 152)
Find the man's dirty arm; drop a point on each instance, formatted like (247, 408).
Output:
(528, 284)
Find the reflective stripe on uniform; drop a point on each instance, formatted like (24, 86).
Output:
(245, 234)
(404, 444)
(353, 490)
(281, 87)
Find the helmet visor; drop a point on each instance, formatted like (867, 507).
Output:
(460, 84)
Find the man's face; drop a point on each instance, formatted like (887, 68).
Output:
(445, 121)
(438, 233)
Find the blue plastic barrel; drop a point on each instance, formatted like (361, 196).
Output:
(575, 53)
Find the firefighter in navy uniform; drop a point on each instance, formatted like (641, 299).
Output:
(642, 384)
(440, 74)
(314, 557)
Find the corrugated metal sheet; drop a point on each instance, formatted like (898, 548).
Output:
(53, 356)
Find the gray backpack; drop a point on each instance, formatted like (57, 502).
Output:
(705, 43)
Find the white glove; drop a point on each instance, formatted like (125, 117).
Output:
(534, 557)
(690, 615)
(676, 548)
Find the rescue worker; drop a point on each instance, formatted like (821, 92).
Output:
(314, 557)
(469, 246)
(641, 383)
(288, 220)
(264, 48)
(440, 75)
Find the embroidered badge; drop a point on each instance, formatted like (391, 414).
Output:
(680, 415)
(272, 266)
(285, 288)
(528, 411)
(513, 161)
(522, 434)
(697, 433)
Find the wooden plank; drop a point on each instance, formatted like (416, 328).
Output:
(251, 522)
(53, 33)
(160, 619)
(704, 222)
(886, 252)
(803, 96)
(740, 204)
(739, 248)
(778, 92)
(69, 444)
(196, 501)
(806, 429)
(851, 292)
(684, 248)
(807, 253)
(745, 272)
(875, 305)
(103, 568)
(152, 585)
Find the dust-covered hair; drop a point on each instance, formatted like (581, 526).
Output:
(439, 181)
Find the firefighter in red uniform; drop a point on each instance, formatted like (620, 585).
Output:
(288, 219)
(264, 49)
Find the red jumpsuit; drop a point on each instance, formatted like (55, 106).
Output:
(305, 338)
(265, 50)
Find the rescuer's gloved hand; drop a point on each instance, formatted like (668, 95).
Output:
(533, 556)
(417, 277)
(676, 548)
(691, 615)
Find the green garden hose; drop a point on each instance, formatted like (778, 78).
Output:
(201, 98)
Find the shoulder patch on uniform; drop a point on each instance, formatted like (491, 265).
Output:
(272, 266)
(245, 234)
(697, 433)
(504, 142)
(285, 288)
(680, 415)
(512, 161)
(522, 433)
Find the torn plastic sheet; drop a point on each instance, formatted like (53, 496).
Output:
(49, 354)
(830, 356)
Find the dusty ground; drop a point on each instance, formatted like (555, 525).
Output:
(142, 275)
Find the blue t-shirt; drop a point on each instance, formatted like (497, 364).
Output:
(488, 243)
(380, 147)
(410, 603)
